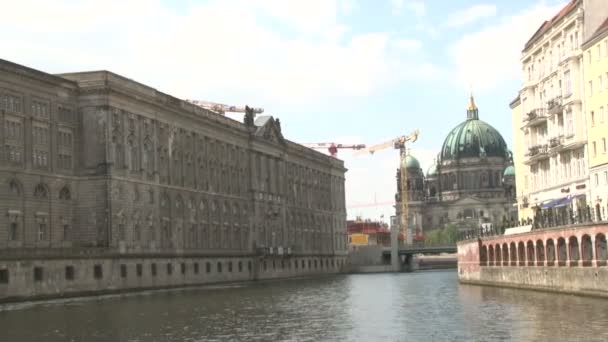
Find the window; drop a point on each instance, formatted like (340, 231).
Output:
(66, 232)
(597, 179)
(249, 266)
(38, 274)
(229, 266)
(590, 88)
(592, 118)
(14, 231)
(3, 276)
(208, 267)
(169, 268)
(599, 52)
(240, 266)
(183, 268)
(601, 114)
(604, 145)
(69, 272)
(123, 271)
(97, 272)
(65, 194)
(605, 177)
(42, 231)
(219, 267)
(139, 270)
(196, 268)
(594, 149)
(153, 270)
(567, 84)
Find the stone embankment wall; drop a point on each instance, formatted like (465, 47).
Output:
(570, 259)
(28, 279)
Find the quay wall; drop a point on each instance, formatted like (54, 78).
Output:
(32, 279)
(569, 259)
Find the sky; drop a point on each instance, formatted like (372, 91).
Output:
(344, 71)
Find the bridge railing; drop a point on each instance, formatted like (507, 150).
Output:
(543, 219)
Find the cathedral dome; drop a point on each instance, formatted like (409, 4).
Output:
(473, 138)
(509, 172)
(411, 163)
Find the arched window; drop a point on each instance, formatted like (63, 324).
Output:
(64, 194)
(41, 192)
(14, 187)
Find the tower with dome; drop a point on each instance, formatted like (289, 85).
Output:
(471, 182)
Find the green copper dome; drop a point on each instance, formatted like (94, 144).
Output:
(509, 171)
(473, 138)
(411, 162)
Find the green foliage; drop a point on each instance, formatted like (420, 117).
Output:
(442, 236)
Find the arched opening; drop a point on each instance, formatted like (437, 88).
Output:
(574, 251)
(540, 253)
(530, 253)
(498, 255)
(484, 256)
(505, 255)
(586, 250)
(550, 252)
(64, 194)
(491, 255)
(562, 253)
(521, 253)
(513, 253)
(41, 191)
(601, 253)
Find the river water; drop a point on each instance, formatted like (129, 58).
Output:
(420, 306)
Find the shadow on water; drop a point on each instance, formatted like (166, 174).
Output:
(421, 306)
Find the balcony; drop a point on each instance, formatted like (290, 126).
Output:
(537, 152)
(556, 142)
(536, 116)
(554, 105)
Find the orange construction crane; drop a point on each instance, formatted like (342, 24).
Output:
(398, 143)
(222, 108)
(332, 148)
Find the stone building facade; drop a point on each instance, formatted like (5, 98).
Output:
(97, 169)
(471, 183)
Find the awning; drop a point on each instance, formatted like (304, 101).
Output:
(560, 202)
(552, 203)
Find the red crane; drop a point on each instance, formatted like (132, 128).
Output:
(332, 148)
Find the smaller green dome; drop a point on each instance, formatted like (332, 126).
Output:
(509, 171)
(411, 162)
(432, 171)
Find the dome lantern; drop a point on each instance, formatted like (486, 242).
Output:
(472, 111)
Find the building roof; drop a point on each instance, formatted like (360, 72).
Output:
(432, 171)
(411, 162)
(549, 23)
(602, 30)
(509, 171)
(473, 138)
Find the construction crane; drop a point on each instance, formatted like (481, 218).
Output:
(400, 144)
(332, 148)
(222, 108)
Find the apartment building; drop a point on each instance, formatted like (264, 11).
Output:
(551, 161)
(595, 51)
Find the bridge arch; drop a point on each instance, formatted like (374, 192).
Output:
(521, 253)
(540, 253)
(574, 250)
(530, 253)
(550, 252)
(484, 255)
(586, 250)
(491, 255)
(513, 254)
(562, 252)
(498, 255)
(601, 250)
(505, 254)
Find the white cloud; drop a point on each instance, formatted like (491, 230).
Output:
(415, 6)
(219, 50)
(491, 56)
(470, 15)
(408, 44)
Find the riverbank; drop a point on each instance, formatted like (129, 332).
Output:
(568, 259)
